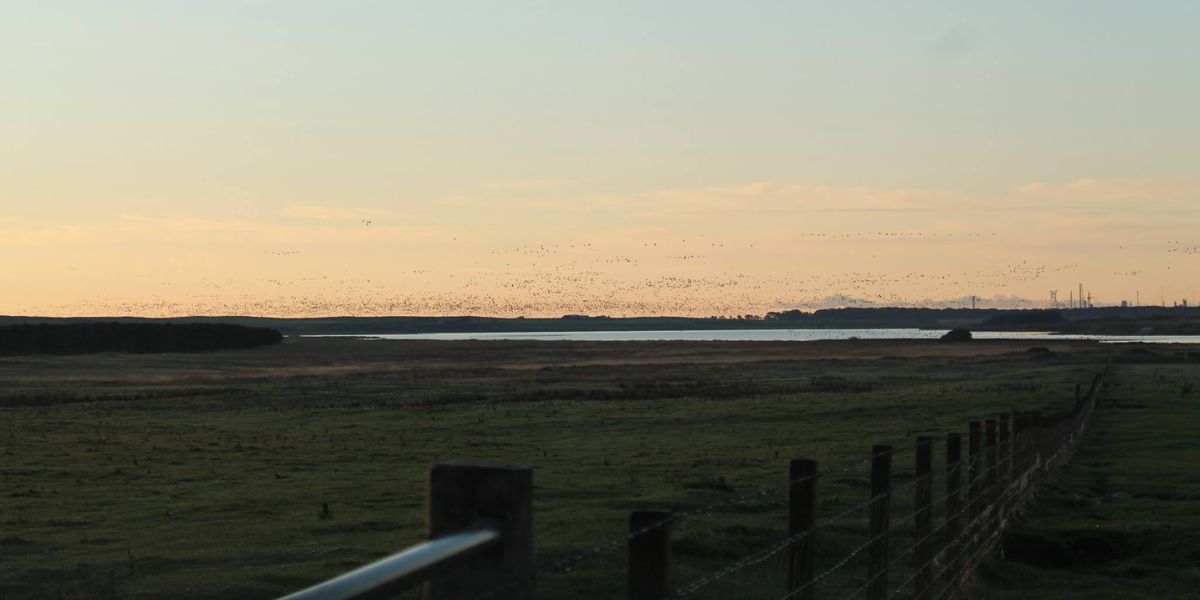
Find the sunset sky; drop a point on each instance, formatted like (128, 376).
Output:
(303, 158)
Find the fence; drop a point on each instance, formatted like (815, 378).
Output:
(481, 541)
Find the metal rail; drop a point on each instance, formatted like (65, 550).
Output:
(402, 570)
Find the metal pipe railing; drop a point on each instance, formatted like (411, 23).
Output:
(402, 570)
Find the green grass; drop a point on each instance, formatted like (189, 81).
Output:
(197, 476)
(1120, 521)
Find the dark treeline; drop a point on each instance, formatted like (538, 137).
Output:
(1027, 317)
(932, 318)
(86, 338)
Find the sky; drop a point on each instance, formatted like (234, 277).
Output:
(304, 158)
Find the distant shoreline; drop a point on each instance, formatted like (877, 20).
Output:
(853, 336)
(1101, 321)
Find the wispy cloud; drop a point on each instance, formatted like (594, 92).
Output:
(1033, 198)
(524, 185)
(1133, 195)
(321, 213)
(460, 201)
(45, 235)
(771, 197)
(140, 228)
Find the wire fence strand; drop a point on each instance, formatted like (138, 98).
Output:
(1001, 478)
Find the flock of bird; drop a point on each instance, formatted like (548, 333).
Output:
(897, 234)
(1177, 247)
(692, 275)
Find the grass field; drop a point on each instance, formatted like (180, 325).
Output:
(1121, 520)
(197, 476)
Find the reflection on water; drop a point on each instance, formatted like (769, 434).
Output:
(775, 335)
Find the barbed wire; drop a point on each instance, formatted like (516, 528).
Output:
(566, 565)
(1030, 467)
(957, 541)
(1000, 493)
(1025, 468)
(965, 530)
(982, 547)
(773, 549)
(843, 562)
(984, 515)
(992, 489)
(984, 478)
(745, 562)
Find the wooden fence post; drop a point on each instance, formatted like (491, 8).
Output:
(923, 519)
(461, 495)
(954, 505)
(802, 512)
(1006, 451)
(881, 496)
(1021, 462)
(650, 555)
(1039, 448)
(993, 463)
(974, 459)
(974, 497)
(1007, 423)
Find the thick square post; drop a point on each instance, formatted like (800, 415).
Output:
(462, 496)
(992, 473)
(974, 464)
(954, 504)
(649, 555)
(923, 519)
(881, 501)
(1005, 473)
(802, 512)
